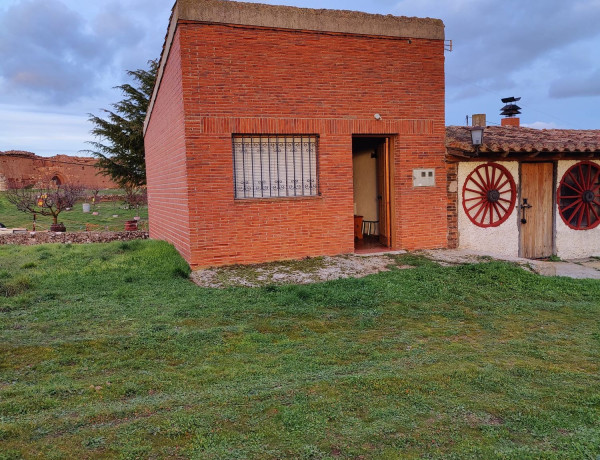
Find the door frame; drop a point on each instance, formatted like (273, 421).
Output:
(390, 141)
(553, 204)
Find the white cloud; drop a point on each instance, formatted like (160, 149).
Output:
(44, 133)
(576, 86)
(541, 125)
(60, 59)
(52, 53)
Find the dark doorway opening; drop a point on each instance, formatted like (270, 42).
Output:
(371, 178)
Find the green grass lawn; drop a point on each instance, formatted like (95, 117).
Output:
(75, 220)
(108, 351)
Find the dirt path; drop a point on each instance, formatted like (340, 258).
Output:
(310, 270)
(319, 269)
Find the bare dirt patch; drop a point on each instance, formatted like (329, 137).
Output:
(305, 271)
(319, 269)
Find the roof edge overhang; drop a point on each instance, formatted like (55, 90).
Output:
(523, 143)
(323, 20)
(293, 18)
(161, 65)
(520, 155)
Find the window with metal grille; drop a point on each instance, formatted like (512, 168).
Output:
(275, 166)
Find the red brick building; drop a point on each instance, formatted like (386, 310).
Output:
(271, 128)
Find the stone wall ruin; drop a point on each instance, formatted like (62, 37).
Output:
(23, 169)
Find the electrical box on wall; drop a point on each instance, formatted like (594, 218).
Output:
(423, 178)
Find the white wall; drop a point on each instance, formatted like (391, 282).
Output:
(365, 185)
(573, 244)
(502, 240)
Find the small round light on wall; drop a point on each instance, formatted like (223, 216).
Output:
(377, 117)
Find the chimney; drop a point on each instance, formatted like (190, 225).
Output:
(509, 111)
(514, 121)
(478, 119)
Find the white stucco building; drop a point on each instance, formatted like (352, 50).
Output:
(525, 192)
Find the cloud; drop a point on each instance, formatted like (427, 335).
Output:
(51, 52)
(541, 125)
(576, 86)
(60, 60)
(44, 133)
(496, 41)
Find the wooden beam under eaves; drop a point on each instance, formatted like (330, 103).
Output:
(461, 153)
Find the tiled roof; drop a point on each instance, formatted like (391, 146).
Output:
(510, 139)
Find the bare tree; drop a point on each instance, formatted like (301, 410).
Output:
(92, 194)
(136, 197)
(45, 200)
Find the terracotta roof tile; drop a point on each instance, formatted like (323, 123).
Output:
(510, 139)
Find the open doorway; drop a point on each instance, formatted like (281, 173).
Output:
(57, 180)
(371, 177)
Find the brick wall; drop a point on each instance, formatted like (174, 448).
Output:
(25, 168)
(452, 206)
(243, 79)
(168, 194)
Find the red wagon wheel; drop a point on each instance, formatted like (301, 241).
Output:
(489, 195)
(578, 196)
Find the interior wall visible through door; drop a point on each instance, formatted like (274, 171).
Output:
(370, 159)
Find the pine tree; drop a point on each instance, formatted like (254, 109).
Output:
(120, 149)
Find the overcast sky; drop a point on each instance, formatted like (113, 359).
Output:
(59, 60)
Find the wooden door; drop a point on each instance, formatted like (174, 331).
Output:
(383, 192)
(536, 191)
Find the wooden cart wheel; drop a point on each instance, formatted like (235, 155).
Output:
(489, 195)
(578, 196)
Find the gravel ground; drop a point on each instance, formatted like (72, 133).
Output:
(318, 269)
(588, 268)
(310, 270)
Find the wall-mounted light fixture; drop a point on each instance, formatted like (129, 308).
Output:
(477, 136)
(377, 117)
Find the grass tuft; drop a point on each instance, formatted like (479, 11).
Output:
(180, 272)
(13, 286)
(415, 260)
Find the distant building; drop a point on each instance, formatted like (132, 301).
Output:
(22, 169)
(273, 131)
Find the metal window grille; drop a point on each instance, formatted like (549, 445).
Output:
(275, 166)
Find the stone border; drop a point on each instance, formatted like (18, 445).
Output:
(31, 238)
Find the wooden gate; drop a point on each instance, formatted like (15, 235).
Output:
(536, 210)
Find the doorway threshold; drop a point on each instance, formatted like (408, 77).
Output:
(376, 250)
(369, 244)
